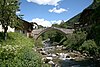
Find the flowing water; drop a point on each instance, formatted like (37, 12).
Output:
(57, 57)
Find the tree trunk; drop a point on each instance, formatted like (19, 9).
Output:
(5, 32)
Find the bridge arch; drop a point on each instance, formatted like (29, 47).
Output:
(61, 30)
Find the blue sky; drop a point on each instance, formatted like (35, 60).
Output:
(48, 12)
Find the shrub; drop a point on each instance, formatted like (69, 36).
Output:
(75, 40)
(17, 51)
(90, 47)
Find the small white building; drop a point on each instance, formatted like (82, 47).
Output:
(9, 29)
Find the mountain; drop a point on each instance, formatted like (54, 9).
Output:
(76, 18)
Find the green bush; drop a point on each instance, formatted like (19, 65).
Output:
(12, 56)
(75, 40)
(90, 47)
(38, 42)
(17, 51)
(53, 35)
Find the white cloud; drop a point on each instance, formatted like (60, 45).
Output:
(45, 2)
(44, 22)
(55, 10)
(18, 12)
(56, 21)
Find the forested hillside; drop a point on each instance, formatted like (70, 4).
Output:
(87, 37)
(76, 18)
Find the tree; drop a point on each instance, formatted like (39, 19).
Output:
(53, 35)
(61, 25)
(75, 40)
(90, 47)
(8, 16)
(55, 25)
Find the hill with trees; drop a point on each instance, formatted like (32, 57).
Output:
(70, 23)
(87, 37)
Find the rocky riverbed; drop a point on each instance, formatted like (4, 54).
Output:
(58, 57)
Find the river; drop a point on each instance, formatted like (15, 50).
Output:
(57, 56)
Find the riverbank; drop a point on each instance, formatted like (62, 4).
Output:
(62, 58)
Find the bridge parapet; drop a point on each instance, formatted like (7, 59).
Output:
(36, 33)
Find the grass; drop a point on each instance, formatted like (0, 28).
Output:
(17, 51)
(16, 39)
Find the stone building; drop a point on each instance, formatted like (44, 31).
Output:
(26, 27)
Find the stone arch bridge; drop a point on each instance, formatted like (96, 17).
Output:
(38, 32)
